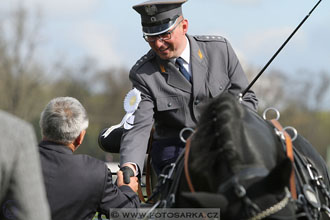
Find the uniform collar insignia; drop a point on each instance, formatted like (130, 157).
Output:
(200, 54)
(162, 68)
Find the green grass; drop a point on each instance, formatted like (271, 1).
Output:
(95, 217)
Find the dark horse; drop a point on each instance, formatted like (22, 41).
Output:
(236, 161)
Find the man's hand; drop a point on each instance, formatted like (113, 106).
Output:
(134, 184)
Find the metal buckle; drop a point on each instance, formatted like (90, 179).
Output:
(169, 175)
(184, 130)
(240, 190)
(295, 133)
(311, 174)
(264, 115)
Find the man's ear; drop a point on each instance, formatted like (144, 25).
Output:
(80, 139)
(185, 26)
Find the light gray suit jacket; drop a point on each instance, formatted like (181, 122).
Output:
(22, 191)
(170, 102)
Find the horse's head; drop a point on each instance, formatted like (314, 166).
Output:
(230, 138)
(236, 159)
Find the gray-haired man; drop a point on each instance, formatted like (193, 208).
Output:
(77, 185)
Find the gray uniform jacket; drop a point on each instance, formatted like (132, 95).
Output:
(79, 185)
(22, 192)
(170, 102)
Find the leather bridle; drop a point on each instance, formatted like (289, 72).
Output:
(289, 153)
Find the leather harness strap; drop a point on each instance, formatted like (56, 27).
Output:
(140, 194)
(186, 168)
(148, 170)
(289, 152)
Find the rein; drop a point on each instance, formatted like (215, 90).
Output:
(186, 168)
(148, 173)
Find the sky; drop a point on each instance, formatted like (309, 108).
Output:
(110, 31)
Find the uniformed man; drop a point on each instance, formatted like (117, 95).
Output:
(176, 77)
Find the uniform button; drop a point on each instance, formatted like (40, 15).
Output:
(196, 102)
(169, 104)
(221, 88)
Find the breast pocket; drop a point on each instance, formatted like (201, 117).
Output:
(169, 103)
(216, 87)
(170, 111)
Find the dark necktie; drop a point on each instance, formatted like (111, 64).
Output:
(179, 62)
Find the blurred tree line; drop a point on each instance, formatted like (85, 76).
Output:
(27, 85)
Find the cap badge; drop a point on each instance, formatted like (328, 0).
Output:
(150, 9)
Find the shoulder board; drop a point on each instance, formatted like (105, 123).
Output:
(209, 38)
(150, 55)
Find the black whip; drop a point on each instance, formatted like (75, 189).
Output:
(241, 95)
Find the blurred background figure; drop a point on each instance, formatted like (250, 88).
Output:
(22, 193)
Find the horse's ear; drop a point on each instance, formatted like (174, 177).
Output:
(205, 200)
(279, 177)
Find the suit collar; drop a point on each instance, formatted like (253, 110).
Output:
(198, 70)
(174, 77)
(53, 146)
(198, 63)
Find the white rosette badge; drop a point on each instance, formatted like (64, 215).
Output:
(131, 103)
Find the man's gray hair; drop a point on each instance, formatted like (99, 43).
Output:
(63, 119)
